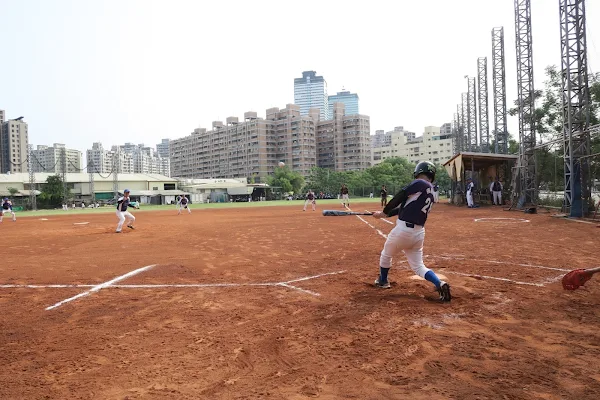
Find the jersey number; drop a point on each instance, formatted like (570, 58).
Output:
(428, 205)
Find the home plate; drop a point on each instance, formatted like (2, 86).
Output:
(418, 278)
(80, 223)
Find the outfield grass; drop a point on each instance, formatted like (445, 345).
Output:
(146, 208)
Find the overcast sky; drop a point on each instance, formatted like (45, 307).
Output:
(117, 71)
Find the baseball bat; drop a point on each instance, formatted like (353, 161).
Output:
(337, 213)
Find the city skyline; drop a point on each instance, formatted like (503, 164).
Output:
(151, 75)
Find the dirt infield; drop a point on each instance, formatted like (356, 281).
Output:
(276, 303)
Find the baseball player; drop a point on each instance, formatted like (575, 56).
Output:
(384, 195)
(412, 205)
(470, 190)
(183, 204)
(6, 209)
(122, 204)
(344, 195)
(436, 193)
(497, 191)
(310, 198)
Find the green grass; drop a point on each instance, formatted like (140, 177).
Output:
(147, 208)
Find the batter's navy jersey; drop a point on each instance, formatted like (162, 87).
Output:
(184, 201)
(417, 200)
(6, 206)
(124, 203)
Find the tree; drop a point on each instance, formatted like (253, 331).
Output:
(287, 180)
(442, 178)
(12, 191)
(52, 193)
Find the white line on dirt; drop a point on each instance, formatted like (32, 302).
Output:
(101, 286)
(498, 262)
(495, 278)
(299, 289)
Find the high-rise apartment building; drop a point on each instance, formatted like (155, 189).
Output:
(163, 148)
(50, 159)
(2, 117)
(384, 139)
(106, 161)
(350, 101)
(14, 142)
(446, 129)
(431, 146)
(343, 142)
(145, 159)
(310, 91)
(254, 147)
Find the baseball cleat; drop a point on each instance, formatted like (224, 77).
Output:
(130, 227)
(382, 285)
(444, 291)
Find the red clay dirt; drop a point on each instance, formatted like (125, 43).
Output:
(495, 340)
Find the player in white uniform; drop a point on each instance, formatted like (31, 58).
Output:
(470, 190)
(412, 205)
(7, 209)
(497, 192)
(310, 198)
(183, 204)
(122, 212)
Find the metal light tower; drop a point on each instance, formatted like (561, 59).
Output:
(456, 146)
(91, 171)
(464, 114)
(30, 169)
(499, 79)
(576, 107)
(63, 173)
(115, 172)
(471, 115)
(484, 122)
(526, 102)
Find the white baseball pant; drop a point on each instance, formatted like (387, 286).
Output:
(14, 216)
(121, 215)
(182, 207)
(409, 241)
(470, 199)
(497, 198)
(436, 197)
(345, 199)
(314, 204)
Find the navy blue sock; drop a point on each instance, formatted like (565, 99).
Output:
(432, 277)
(383, 273)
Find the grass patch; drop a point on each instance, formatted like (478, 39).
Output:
(148, 208)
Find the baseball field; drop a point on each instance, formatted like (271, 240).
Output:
(277, 303)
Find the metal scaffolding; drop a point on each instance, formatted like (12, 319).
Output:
(30, 169)
(471, 116)
(499, 87)
(456, 143)
(484, 122)
(576, 107)
(527, 190)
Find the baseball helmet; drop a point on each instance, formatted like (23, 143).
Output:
(6, 198)
(426, 168)
(126, 191)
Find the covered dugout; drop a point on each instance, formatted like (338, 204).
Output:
(482, 168)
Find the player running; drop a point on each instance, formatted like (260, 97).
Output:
(310, 198)
(183, 204)
(122, 212)
(344, 195)
(6, 209)
(411, 204)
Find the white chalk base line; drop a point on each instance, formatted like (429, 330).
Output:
(101, 286)
(112, 284)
